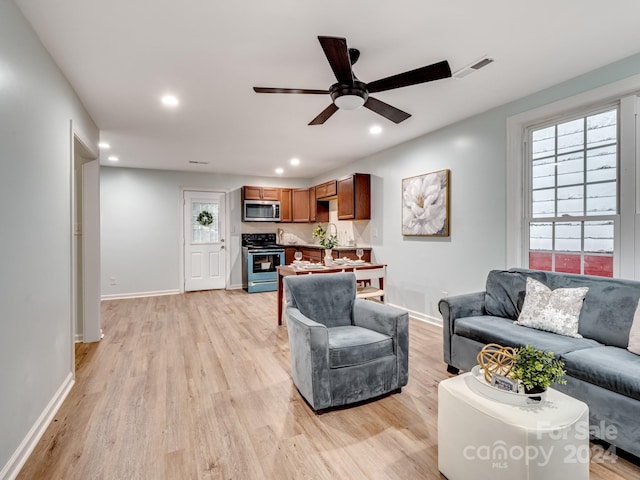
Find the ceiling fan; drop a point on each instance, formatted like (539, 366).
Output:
(350, 93)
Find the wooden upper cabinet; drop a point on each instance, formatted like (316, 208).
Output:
(354, 197)
(261, 193)
(326, 189)
(300, 204)
(270, 193)
(313, 208)
(286, 213)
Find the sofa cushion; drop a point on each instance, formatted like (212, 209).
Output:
(332, 307)
(489, 329)
(555, 311)
(351, 345)
(505, 292)
(612, 368)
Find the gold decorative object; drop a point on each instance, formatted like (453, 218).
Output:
(494, 358)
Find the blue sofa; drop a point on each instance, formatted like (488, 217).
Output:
(600, 370)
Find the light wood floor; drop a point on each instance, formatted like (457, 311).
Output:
(197, 386)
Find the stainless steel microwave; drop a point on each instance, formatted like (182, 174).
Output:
(261, 211)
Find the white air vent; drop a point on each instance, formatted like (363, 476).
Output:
(473, 67)
(195, 162)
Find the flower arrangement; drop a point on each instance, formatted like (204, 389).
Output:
(326, 241)
(536, 369)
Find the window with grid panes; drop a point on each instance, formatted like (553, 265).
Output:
(573, 187)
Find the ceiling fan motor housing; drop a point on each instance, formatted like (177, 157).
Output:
(349, 97)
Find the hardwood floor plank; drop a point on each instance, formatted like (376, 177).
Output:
(197, 386)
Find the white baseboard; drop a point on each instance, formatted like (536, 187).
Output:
(11, 470)
(423, 317)
(120, 296)
(79, 338)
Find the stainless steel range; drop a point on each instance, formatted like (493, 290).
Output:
(260, 257)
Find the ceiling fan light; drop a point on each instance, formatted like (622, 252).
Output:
(349, 102)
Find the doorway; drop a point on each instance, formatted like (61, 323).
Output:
(85, 308)
(204, 253)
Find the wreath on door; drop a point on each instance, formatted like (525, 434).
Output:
(205, 218)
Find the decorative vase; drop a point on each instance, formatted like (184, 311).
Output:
(328, 259)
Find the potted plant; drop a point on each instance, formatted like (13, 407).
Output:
(536, 370)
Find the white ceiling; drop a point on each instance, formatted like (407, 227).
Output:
(121, 56)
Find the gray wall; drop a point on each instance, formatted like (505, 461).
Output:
(140, 226)
(36, 107)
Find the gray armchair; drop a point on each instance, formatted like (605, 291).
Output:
(343, 349)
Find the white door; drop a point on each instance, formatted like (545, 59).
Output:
(204, 248)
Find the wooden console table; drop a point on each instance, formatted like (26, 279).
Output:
(286, 270)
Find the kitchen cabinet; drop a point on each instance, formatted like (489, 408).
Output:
(315, 254)
(311, 254)
(326, 189)
(286, 213)
(354, 197)
(313, 208)
(289, 253)
(300, 205)
(322, 211)
(350, 252)
(260, 193)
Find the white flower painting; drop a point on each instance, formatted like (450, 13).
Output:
(425, 204)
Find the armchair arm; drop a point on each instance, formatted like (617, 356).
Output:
(309, 346)
(389, 321)
(459, 306)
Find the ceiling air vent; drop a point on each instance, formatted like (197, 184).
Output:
(473, 67)
(195, 162)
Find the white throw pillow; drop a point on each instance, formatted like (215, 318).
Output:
(554, 311)
(634, 334)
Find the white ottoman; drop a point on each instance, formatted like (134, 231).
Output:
(481, 438)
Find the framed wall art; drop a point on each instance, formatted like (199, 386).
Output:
(425, 204)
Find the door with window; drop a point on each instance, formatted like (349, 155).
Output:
(204, 240)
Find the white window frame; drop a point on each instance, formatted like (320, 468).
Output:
(581, 114)
(626, 263)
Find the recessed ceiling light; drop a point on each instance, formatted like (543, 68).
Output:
(104, 145)
(294, 161)
(279, 170)
(113, 158)
(375, 130)
(170, 101)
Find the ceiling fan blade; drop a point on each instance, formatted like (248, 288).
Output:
(419, 75)
(387, 111)
(324, 115)
(288, 90)
(335, 48)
